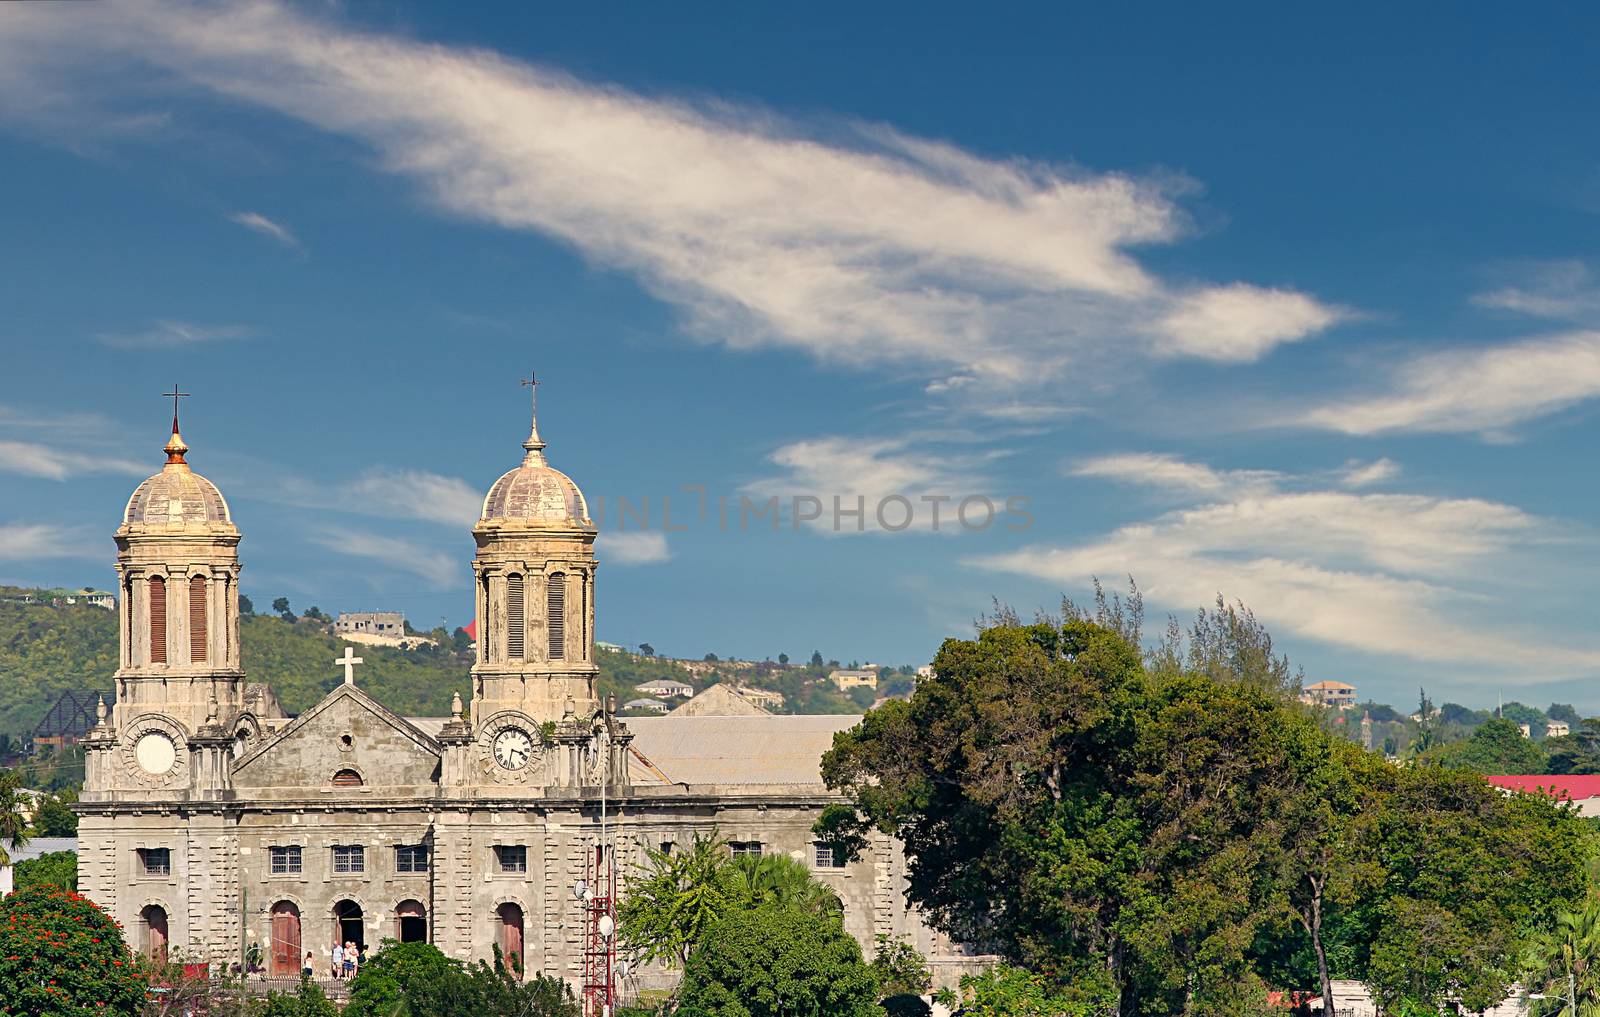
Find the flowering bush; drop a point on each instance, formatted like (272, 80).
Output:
(61, 956)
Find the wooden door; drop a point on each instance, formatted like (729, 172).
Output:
(287, 952)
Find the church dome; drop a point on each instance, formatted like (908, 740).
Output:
(177, 495)
(535, 491)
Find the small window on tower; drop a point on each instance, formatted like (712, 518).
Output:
(158, 620)
(197, 619)
(156, 861)
(556, 601)
(516, 617)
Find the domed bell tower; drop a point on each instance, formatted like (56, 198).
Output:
(179, 680)
(534, 575)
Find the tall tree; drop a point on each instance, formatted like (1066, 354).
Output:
(777, 961)
(15, 804)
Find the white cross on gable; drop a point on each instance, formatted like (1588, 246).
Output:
(349, 662)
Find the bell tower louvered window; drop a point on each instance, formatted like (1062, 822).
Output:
(556, 601)
(158, 620)
(583, 616)
(516, 617)
(197, 620)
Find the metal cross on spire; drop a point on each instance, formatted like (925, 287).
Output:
(349, 662)
(175, 395)
(534, 442)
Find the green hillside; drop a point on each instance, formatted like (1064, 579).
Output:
(45, 650)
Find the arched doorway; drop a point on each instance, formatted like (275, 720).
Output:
(153, 932)
(348, 926)
(411, 922)
(511, 936)
(287, 950)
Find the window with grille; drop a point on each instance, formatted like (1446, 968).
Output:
(158, 620)
(829, 857)
(285, 861)
(197, 619)
(556, 601)
(516, 617)
(347, 778)
(156, 861)
(411, 858)
(349, 858)
(745, 847)
(511, 857)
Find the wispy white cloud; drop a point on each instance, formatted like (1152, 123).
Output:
(1241, 322)
(1564, 290)
(1159, 470)
(36, 460)
(887, 480)
(170, 334)
(1398, 574)
(642, 547)
(1484, 390)
(258, 223)
(441, 570)
(412, 494)
(1358, 474)
(23, 541)
(862, 246)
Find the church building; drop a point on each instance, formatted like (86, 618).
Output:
(210, 820)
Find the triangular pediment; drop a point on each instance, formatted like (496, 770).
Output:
(347, 731)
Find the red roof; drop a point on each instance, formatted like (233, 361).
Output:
(1573, 787)
(471, 628)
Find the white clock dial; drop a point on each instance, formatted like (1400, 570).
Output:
(155, 753)
(513, 748)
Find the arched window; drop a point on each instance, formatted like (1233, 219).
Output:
(516, 617)
(158, 620)
(411, 922)
(556, 603)
(197, 619)
(347, 778)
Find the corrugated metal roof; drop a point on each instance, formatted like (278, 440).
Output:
(739, 750)
(39, 846)
(1563, 787)
(430, 726)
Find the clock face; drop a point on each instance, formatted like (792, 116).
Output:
(513, 748)
(155, 753)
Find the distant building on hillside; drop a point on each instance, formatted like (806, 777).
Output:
(720, 700)
(846, 680)
(613, 647)
(652, 705)
(69, 718)
(1338, 695)
(666, 687)
(371, 623)
(764, 698)
(56, 598)
(1580, 791)
(925, 671)
(1557, 729)
(1526, 729)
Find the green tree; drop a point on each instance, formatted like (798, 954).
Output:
(415, 979)
(816, 658)
(61, 955)
(53, 815)
(1563, 712)
(280, 607)
(1007, 991)
(1563, 965)
(647, 649)
(900, 969)
(53, 868)
(246, 608)
(676, 899)
(14, 805)
(1496, 746)
(307, 1001)
(783, 658)
(778, 962)
(761, 880)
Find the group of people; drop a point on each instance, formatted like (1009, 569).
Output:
(344, 961)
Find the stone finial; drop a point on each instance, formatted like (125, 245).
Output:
(100, 710)
(455, 706)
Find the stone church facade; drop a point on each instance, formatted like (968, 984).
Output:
(211, 821)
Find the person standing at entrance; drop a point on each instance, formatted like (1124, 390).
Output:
(337, 956)
(349, 959)
(309, 968)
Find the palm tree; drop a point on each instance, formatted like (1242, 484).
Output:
(780, 880)
(1563, 966)
(13, 815)
(672, 903)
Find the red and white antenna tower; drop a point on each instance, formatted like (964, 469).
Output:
(600, 897)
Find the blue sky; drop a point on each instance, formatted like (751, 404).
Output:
(1298, 310)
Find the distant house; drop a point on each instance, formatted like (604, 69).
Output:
(652, 705)
(1526, 729)
(1581, 791)
(31, 850)
(371, 623)
(666, 687)
(613, 647)
(846, 680)
(765, 698)
(1338, 695)
(720, 700)
(69, 718)
(1557, 729)
(925, 671)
